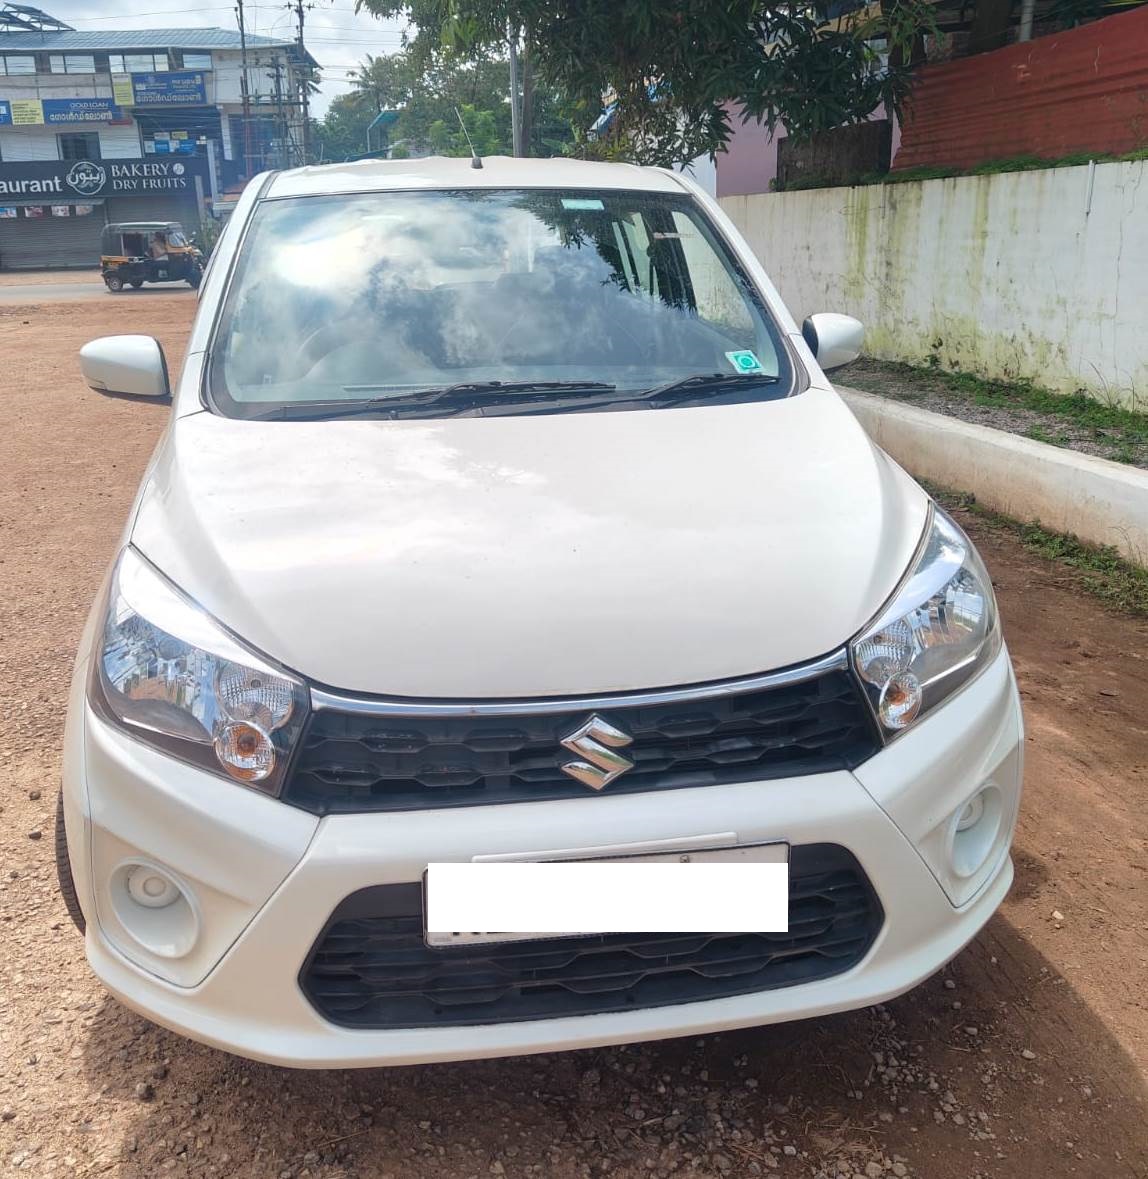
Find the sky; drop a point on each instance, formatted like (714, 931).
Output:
(335, 36)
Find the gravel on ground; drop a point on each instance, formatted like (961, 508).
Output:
(1026, 1056)
(932, 391)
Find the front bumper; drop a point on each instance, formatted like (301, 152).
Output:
(265, 878)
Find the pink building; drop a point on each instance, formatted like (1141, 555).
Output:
(750, 162)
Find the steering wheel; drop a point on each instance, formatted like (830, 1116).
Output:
(322, 341)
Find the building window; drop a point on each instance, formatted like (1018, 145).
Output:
(138, 63)
(81, 145)
(197, 61)
(15, 65)
(72, 63)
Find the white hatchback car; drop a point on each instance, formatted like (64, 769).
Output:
(504, 514)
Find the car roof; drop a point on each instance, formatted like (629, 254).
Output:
(456, 172)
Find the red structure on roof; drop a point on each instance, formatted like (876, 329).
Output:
(1085, 90)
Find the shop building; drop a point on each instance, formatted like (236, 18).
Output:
(139, 125)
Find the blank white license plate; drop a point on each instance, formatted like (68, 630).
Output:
(723, 890)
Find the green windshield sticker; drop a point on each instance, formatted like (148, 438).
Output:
(745, 361)
(582, 203)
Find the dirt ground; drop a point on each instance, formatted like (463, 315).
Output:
(1027, 1056)
(44, 278)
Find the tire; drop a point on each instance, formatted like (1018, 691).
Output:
(114, 283)
(136, 283)
(64, 869)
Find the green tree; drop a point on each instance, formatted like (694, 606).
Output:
(483, 128)
(342, 132)
(672, 68)
(427, 87)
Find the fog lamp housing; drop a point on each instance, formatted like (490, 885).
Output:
(974, 831)
(155, 908)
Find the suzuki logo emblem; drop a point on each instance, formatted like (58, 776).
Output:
(596, 744)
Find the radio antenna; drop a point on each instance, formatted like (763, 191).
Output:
(475, 162)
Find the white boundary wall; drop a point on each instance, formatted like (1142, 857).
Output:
(1039, 275)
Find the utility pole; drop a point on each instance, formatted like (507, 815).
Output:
(515, 110)
(304, 85)
(244, 96)
(526, 110)
(281, 114)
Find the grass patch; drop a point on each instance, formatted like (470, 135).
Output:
(1123, 431)
(1099, 569)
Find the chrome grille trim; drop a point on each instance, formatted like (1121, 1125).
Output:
(322, 699)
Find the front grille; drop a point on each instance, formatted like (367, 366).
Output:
(351, 761)
(371, 967)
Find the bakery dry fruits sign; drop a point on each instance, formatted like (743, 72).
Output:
(98, 178)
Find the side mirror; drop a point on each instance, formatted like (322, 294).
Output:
(834, 339)
(132, 366)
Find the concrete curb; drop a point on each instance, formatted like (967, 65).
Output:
(1096, 500)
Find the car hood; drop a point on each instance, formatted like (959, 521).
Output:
(532, 556)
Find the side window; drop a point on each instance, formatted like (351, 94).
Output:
(719, 301)
(72, 63)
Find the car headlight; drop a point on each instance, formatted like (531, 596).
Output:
(939, 629)
(172, 677)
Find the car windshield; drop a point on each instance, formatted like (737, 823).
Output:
(371, 301)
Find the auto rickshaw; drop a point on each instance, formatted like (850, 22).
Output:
(135, 252)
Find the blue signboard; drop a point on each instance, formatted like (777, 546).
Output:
(80, 110)
(179, 87)
(5, 113)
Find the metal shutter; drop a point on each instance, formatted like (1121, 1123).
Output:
(34, 243)
(158, 207)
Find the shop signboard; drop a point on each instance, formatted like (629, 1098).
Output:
(5, 113)
(56, 181)
(173, 88)
(28, 112)
(122, 92)
(79, 110)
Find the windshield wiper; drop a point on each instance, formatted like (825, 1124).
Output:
(679, 389)
(704, 383)
(466, 393)
(469, 395)
(670, 393)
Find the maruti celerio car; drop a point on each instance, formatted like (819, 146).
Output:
(505, 514)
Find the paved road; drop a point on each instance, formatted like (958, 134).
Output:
(72, 291)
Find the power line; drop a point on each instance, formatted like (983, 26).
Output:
(137, 15)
